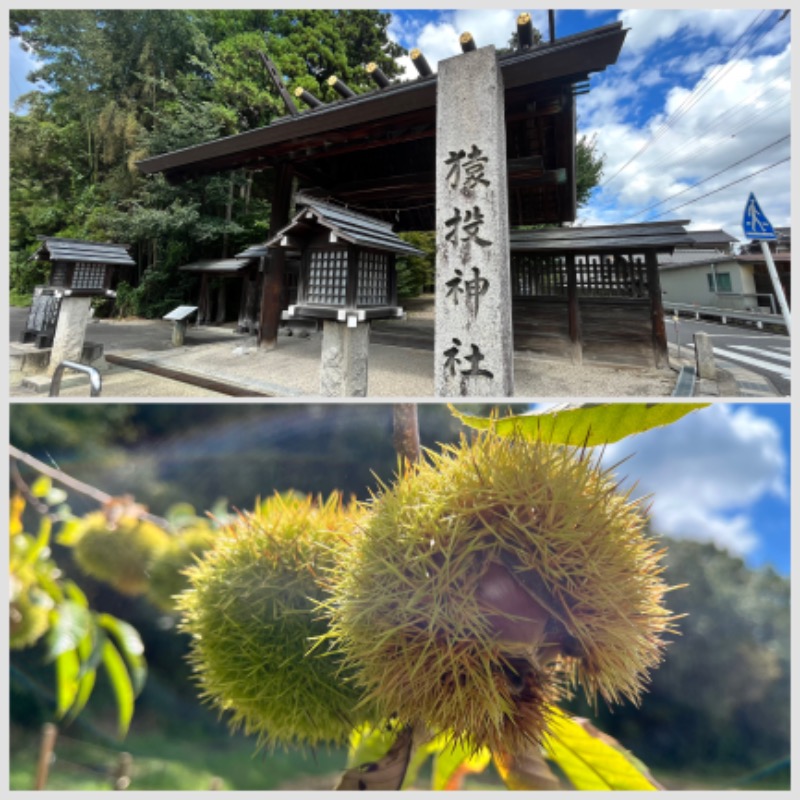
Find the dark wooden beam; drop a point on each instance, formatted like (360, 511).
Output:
(273, 73)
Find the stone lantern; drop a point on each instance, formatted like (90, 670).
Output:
(79, 271)
(347, 278)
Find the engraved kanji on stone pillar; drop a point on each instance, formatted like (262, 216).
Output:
(473, 341)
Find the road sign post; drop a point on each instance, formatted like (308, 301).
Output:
(757, 226)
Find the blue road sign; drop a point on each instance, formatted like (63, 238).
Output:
(755, 222)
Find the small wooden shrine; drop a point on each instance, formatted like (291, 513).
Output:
(347, 270)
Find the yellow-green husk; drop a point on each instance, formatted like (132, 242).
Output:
(252, 612)
(120, 553)
(409, 605)
(168, 576)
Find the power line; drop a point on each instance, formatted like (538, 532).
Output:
(701, 90)
(705, 180)
(727, 185)
(728, 116)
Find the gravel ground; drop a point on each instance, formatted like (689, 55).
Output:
(292, 370)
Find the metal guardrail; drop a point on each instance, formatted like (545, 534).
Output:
(684, 386)
(725, 313)
(95, 380)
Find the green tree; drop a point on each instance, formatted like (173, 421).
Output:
(588, 167)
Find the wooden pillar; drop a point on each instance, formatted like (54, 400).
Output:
(221, 300)
(573, 310)
(203, 302)
(248, 302)
(660, 351)
(273, 280)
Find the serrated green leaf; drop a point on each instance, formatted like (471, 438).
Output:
(452, 762)
(592, 760)
(130, 645)
(589, 424)
(41, 486)
(72, 623)
(90, 655)
(121, 684)
(67, 669)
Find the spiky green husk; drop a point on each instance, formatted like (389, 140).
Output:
(168, 573)
(121, 553)
(252, 613)
(29, 617)
(409, 599)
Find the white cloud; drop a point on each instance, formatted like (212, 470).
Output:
(440, 39)
(742, 107)
(706, 472)
(650, 25)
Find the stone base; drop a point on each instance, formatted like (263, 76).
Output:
(27, 361)
(344, 363)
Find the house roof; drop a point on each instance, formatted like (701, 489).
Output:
(658, 236)
(705, 239)
(683, 259)
(73, 250)
(221, 266)
(347, 225)
(377, 150)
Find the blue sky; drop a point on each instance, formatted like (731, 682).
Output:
(720, 78)
(720, 474)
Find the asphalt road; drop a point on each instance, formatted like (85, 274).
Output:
(768, 354)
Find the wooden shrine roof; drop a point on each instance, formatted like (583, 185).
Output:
(376, 151)
(661, 237)
(72, 250)
(346, 225)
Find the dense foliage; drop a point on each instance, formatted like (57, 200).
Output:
(116, 86)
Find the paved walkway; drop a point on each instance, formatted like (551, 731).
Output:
(291, 370)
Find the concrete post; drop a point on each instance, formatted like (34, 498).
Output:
(473, 342)
(70, 331)
(345, 359)
(704, 355)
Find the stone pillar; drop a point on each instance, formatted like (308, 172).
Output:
(179, 332)
(345, 357)
(704, 355)
(70, 331)
(473, 343)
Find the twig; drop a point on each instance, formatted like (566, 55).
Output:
(30, 498)
(79, 486)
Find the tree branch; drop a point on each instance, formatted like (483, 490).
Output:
(79, 486)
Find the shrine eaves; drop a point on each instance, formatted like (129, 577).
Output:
(376, 151)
